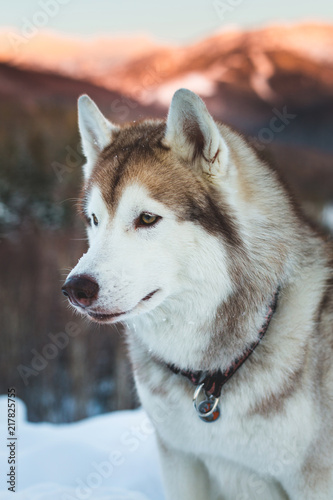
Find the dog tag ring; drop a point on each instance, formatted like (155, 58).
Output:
(208, 410)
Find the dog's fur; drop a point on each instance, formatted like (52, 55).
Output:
(229, 235)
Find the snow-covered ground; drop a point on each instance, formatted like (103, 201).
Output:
(109, 457)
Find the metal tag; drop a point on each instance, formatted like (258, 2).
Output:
(208, 410)
(208, 407)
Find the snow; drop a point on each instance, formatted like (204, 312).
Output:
(162, 94)
(108, 457)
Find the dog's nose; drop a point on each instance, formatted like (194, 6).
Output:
(81, 290)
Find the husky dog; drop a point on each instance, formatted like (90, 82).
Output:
(227, 293)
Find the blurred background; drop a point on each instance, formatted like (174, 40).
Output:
(266, 68)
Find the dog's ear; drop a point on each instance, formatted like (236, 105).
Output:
(95, 130)
(192, 133)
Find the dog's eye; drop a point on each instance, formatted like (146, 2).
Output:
(147, 219)
(95, 220)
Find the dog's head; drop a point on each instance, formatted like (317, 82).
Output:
(152, 210)
(168, 207)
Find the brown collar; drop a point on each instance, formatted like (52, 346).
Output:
(213, 382)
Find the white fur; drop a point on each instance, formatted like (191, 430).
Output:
(95, 130)
(130, 263)
(246, 456)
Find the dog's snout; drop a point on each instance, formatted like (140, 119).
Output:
(82, 290)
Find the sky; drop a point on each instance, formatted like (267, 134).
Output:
(178, 21)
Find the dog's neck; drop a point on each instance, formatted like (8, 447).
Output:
(201, 334)
(213, 382)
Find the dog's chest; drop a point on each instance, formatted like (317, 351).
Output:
(270, 446)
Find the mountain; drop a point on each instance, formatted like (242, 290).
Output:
(22, 87)
(28, 85)
(247, 79)
(71, 56)
(276, 63)
(252, 80)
